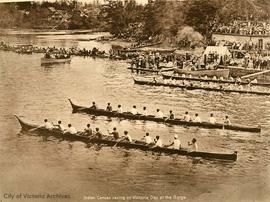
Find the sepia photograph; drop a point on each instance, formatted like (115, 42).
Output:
(135, 100)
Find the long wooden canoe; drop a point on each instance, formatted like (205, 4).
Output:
(175, 77)
(128, 115)
(144, 70)
(48, 61)
(109, 141)
(164, 69)
(218, 72)
(152, 83)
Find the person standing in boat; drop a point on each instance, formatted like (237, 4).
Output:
(94, 106)
(197, 119)
(145, 112)
(212, 119)
(127, 137)
(70, 130)
(134, 110)
(147, 138)
(193, 145)
(187, 117)
(159, 114)
(176, 144)
(88, 131)
(227, 120)
(109, 107)
(158, 142)
(119, 109)
(115, 133)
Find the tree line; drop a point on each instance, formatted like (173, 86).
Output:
(173, 21)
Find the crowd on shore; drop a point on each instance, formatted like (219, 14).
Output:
(29, 49)
(242, 46)
(151, 59)
(244, 28)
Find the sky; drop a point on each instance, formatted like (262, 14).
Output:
(3, 1)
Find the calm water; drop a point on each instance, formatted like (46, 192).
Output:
(30, 165)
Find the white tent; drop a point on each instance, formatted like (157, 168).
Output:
(220, 50)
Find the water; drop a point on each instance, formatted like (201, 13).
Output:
(30, 165)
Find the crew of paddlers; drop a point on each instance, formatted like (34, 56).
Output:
(88, 132)
(159, 114)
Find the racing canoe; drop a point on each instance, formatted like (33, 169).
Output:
(193, 87)
(128, 115)
(175, 77)
(109, 141)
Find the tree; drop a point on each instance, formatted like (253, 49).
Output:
(199, 14)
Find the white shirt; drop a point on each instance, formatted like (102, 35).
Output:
(176, 144)
(159, 143)
(119, 110)
(48, 125)
(148, 139)
(187, 118)
(71, 130)
(159, 114)
(133, 111)
(197, 119)
(128, 137)
(212, 120)
(145, 113)
(194, 147)
(227, 121)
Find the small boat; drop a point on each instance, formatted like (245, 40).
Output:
(152, 83)
(149, 70)
(204, 72)
(48, 61)
(176, 77)
(109, 141)
(143, 70)
(128, 115)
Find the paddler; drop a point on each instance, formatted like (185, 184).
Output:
(171, 115)
(147, 138)
(159, 114)
(212, 119)
(158, 142)
(47, 124)
(197, 119)
(127, 137)
(109, 107)
(88, 131)
(227, 120)
(193, 145)
(70, 130)
(59, 125)
(115, 133)
(98, 134)
(134, 110)
(119, 109)
(176, 144)
(187, 117)
(145, 112)
(94, 106)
